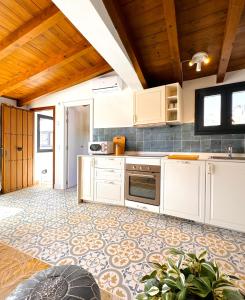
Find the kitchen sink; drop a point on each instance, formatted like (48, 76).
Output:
(227, 158)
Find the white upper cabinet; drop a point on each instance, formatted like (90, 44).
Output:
(149, 106)
(225, 194)
(158, 105)
(183, 189)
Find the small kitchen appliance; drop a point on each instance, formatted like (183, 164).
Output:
(105, 147)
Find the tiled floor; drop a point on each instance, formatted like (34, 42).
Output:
(114, 243)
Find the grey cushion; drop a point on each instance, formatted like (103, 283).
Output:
(61, 282)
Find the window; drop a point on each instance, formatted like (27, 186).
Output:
(44, 133)
(220, 109)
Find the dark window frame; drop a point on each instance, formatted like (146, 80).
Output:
(39, 117)
(226, 126)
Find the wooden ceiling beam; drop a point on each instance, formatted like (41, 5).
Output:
(60, 60)
(234, 14)
(31, 29)
(88, 74)
(172, 33)
(120, 24)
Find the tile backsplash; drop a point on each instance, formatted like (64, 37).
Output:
(171, 139)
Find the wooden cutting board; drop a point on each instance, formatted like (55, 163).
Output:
(183, 156)
(120, 141)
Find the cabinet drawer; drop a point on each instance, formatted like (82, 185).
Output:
(109, 163)
(109, 192)
(108, 174)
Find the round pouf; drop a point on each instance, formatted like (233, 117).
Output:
(61, 282)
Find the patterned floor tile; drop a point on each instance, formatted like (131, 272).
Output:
(115, 243)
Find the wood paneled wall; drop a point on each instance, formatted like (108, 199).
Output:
(17, 143)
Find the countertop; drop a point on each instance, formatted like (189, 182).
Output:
(164, 155)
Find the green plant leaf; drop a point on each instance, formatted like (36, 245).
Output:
(153, 291)
(169, 296)
(165, 289)
(174, 251)
(145, 278)
(202, 255)
(192, 256)
(232, 295)
(141, 296)
(208, 270)
(200, 287)
(182, 295)
(234, 277)
(170, 282)
(152, 282)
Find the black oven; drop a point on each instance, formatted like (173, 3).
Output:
(142, 183)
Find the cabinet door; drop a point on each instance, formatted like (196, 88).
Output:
(184, 189)
(225, 205)
(87, 178)
(149, 106)
(109, 192)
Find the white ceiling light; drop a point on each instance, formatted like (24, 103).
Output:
(198, 59)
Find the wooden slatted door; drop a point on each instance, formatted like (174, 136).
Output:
(17, 143)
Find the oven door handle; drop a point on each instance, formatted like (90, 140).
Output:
(141, 175)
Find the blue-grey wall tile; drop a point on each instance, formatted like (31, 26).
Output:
(177, 146)
(101, 131)
(186, 146)
(205, 145)
(139, 134)
(237, 145)
(215, 145)
(172, 138)
(195, 146)
(130, 145)
(233, 137)
(147, 145)
(140, 146)
(147, 134)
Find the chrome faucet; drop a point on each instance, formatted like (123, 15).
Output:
(229, 150)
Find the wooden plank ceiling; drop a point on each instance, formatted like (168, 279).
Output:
(166, 33)
(41, 51)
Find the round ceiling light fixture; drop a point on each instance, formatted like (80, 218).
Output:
(198, 59)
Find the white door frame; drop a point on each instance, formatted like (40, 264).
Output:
(75, 103)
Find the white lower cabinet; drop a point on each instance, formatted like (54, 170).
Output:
(225, 194)
(109, 192)
(85, 178)
(183, 189)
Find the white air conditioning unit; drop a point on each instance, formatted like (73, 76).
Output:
(107, 84)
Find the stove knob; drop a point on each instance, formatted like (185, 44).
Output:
(134, 167)
(140, 168)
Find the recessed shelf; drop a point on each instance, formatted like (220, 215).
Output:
(174, 97)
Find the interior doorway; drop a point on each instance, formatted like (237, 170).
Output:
(44, 146)
(78, 136)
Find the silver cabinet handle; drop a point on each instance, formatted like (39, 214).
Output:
(110, 182)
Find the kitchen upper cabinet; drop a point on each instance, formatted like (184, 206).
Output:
(113, 109)
(183, 189)
(149, 106)
(225, 194)
(85, 178)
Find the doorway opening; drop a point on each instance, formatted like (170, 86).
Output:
(44, 146)
(78, 135)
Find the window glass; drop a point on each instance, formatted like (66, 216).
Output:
(45, 133)
(238, 108)
(212, 110)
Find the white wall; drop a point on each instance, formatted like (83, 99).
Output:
(190, 86)
(113, 109)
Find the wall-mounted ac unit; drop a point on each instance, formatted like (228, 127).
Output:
(107, 84)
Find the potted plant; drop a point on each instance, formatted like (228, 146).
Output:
(191, 277)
